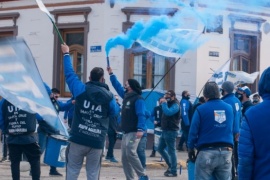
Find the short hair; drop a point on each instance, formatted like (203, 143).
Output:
(201, 99)
(96, 73)
(211, 90)
(55, 90)
(183, 93)
(256, 95)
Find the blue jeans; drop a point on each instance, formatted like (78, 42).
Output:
(141, 151)
(168, 139)
(216, 163)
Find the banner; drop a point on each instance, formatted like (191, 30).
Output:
(21, 83)
(241, 77)
(220, 75)
(173, 42)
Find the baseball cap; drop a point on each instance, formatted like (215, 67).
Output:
(245, 89)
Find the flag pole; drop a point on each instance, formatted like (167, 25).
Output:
(162, 77)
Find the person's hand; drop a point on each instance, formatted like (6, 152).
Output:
(73, 101)
(109, 69)
(65, 48)
(191, 155)
(162, 100)
(139, 134)
(155, 122)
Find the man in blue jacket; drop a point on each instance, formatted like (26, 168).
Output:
(94, 104)
(186, 115)
(254, 144)
(133, 118)
(211, 133)
(170, 127)
(20, 126)
(230, 98)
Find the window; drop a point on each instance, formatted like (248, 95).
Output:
(75, 36)
(8, 31)
(75, 40)
(148, 69)
(143, 65)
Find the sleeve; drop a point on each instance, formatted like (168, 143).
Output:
(114, 108)
(185, 113)
(141, 113)
(170, 111)
(245, 152)
(66, 114)
(194, 130)
(65, 106)
(74, 83)
(1, 116)
(117, 86)
(237, 118)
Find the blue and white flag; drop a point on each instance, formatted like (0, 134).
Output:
(241, 77)
(220, 75)
(21, 83)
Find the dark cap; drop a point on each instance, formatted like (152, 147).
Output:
(135, 86)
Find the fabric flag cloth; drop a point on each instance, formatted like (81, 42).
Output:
(220, 75)
(21, 83)
(44, 9)
(173, 43)
(241, 77)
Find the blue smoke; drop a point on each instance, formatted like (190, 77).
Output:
(181, 20)
(125, 40)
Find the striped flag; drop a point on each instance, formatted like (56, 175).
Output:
(21, 83)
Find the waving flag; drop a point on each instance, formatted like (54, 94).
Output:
(220, 75)
(241, 77)
(21, 83)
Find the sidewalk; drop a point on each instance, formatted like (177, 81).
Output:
(109, 171)
(151, 162)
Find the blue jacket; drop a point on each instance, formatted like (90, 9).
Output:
(69, 112)
(141, 111)
(212, 124)
(78, 90)
(186, 111)
(16, 139)
(236, 105)
(254, 144)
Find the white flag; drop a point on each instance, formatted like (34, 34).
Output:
(220, 75)
(21, 83)
(173, 42)
(241, 77)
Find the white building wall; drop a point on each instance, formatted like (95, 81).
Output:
(192, 71)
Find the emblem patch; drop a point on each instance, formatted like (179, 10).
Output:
(220, 116)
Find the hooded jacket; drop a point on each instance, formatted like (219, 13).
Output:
(254, 144)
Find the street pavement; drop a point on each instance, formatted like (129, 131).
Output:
(109, 171)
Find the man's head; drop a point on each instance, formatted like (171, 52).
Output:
(201, 100)
(243, 93)
(97, 74)
(170, 95)
(185, 94)
(211, 91)
(227, 88)
(256, 99)
(55, 93)
(133, 85)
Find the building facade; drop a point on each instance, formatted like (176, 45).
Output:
(236, 31)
